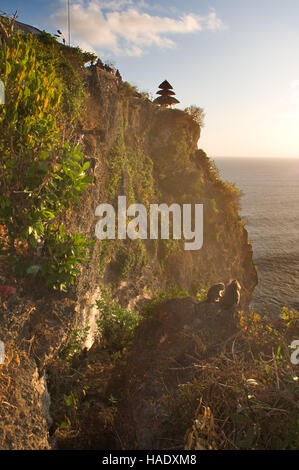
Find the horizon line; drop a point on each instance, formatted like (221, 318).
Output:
(268, 157)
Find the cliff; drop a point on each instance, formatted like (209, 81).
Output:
(150, 155)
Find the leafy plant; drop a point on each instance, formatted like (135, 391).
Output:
(160, 296)
(202, 295)
(41, 173)
(116, 324)
(65, 255)
(75, 343)
(131, 256)
(290, 317)
(137, 168)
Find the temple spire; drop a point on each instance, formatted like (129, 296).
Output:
(166, 100)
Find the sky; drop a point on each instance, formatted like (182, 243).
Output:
(237, 59)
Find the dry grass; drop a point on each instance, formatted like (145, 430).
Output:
(80, 406)
(8, 370)
(249, 393)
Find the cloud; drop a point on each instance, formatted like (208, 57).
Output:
(124, 28)
(115, 4)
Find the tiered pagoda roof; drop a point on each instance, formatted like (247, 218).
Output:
(167, 95)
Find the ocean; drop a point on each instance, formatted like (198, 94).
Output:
(270, 206)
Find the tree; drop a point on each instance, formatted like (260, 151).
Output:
(196, 113)
(6, 26)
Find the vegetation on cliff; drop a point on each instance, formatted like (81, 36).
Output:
(42, 169)
(59, 117)
(249, 392)
(153, 159)
(192, 377)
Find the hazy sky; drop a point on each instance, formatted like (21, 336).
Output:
(238, 59)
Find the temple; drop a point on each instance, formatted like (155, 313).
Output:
(166, 100)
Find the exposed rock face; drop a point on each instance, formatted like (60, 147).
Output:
(33, 332)
(24, 406)
(162, 359)
(156, 133)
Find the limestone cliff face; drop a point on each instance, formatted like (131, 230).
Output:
(150, 155)
(154, 154)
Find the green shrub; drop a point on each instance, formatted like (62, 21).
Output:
(75, 343)
(128, 90)
(65, 255)
(41, 173)
(173, 165)
(106, 253)
(168, 248)
(116, 324)
(202, 295)
(174, 292)
(136, 165)
(68, 63)
(131, 256)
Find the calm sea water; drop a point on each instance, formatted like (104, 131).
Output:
(270, 205)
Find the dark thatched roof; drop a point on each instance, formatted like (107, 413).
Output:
(165, 100)
(165, 92)
(165, 85)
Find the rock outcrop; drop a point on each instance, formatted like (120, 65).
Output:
(167, 346)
